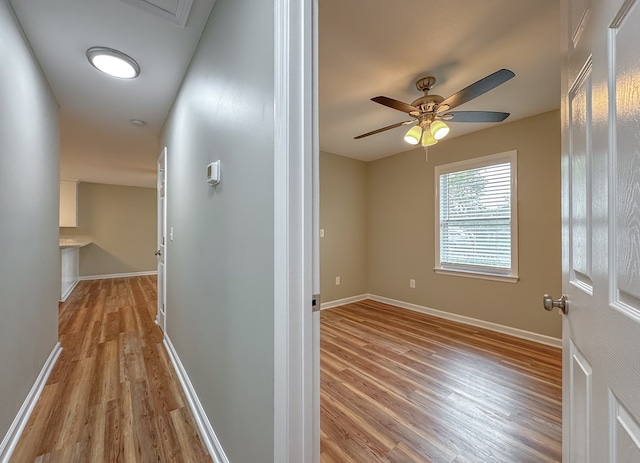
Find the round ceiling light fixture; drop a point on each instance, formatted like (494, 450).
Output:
(113, 62)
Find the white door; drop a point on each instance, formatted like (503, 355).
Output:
(601, 230)
(161, 319)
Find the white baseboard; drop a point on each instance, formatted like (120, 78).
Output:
(516, 332)
(117, 275)
(346, 300)
(10, 441)
(206, 430)
(69, 291)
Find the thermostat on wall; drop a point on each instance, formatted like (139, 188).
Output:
(213, 173)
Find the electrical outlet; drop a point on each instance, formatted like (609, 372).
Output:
(412, 283)
(337, 281)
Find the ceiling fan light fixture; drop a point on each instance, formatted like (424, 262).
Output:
(439, 129)
(413, 135)
(113, 62)
(430, 111)
(428, 139)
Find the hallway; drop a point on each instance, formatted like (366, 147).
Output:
(113, 395)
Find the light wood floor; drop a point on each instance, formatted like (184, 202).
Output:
(396, 386)
(113, 395)
(399, 386)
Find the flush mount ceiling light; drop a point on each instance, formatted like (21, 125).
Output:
(113, 62)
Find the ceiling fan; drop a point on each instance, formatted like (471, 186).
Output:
(430, 111)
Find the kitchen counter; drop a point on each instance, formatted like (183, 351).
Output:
(73, 243)
(70, 264)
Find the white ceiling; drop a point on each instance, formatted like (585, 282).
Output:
(97, 141)
(367, 48)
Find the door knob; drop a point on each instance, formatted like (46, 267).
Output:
(158, 252)
(550, 304)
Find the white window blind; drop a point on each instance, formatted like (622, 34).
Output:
(476, 229)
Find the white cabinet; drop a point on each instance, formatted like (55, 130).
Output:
(68, 203)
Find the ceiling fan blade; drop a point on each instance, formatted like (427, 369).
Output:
(383, 129)
(478, 88)
(395, 104)
(475, 116)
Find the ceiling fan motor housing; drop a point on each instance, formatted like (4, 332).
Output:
(427, 103)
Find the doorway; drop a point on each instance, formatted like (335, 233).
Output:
(161, 318)
(393, 199)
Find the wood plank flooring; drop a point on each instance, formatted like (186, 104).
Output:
(396, 386)
(113, 395)
(399, 386)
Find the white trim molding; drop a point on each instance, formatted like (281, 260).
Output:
(478, 275)
(117, 275)
(69, 291)
(10, 441)
(296, 411)
(204, 425)
(180, 16)
(346, 300)
(516, 332)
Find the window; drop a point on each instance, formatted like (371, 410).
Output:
(476, 218)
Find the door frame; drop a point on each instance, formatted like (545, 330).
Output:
(296, 264)
(161, 163)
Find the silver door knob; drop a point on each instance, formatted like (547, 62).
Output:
(158, 252)
(550, 304)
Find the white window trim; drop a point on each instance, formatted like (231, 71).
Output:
(476, 271)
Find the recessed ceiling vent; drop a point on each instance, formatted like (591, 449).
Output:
(176, 11)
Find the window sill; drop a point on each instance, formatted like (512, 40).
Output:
(478, 275)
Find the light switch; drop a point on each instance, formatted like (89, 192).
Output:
(322, 233)
(213, 173)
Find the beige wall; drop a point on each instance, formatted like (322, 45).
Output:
(121, 222)
(378, 219)
(343, 217)
(401, 227)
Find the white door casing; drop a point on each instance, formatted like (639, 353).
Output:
(296, 327)
(315, 229)
(601, 230)
(161, 318)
